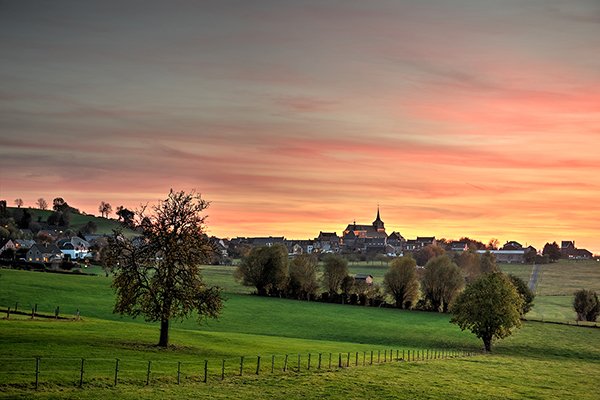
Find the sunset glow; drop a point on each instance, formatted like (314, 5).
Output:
(463, 118)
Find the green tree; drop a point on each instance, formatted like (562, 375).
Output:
(586, 305)
(422, 256)
(489, 307)
(552, 251)
(303, 276)
(441, 283)
(158, 274)
(401, 281)
(265, 268)
(526, 294)
(335, 269)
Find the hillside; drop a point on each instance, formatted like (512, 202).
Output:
(78, 221)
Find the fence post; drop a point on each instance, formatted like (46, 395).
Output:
(81, 373)
(397, 355)
(205, 371)
(8, 313)
(285, 363)
(378, 356)
(116, 371)
(348, 361)
(308, 366)
(77, 315)
(148, 372)
(298, 362)
(273, 363)
(179, 372)
(385, 355)
(371, 357)
(56, 312)
(37, 372)
(32, 313)
(320, 355)
(223, 370)
(364, 358)
(329, 360)
(339, 360)
(257, 365)
(241, 365)
(356, 362)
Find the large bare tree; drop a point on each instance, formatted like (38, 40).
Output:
(158, 274)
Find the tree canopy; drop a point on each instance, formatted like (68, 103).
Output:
(552, 251)
(442, 281)
(586, 305)
(303, 276)
(490, 308)
(158, 274)
(526, 294)
(401, 281)
(265, 268)
(335, 269)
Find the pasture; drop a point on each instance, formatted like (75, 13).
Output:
(538, 361)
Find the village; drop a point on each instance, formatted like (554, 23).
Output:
(359, 242)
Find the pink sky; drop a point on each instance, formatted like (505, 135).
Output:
(463, 118)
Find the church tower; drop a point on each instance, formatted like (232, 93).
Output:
(378, 223)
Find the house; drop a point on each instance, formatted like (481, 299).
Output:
(327, 242)
(75, 248)
(363, 278)
(44, 253)
(371, 238)
(6, 244)
(265, 241)
(510, 256)
(459, 247)
(512, 245)
(24, 243)
(568, 250)
(397, 241)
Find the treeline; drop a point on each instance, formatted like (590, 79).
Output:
(433, 287)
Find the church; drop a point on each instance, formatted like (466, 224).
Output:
(367, 238)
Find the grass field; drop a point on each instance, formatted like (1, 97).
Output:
(539, 361)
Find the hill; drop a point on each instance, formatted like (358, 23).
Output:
(539, 361)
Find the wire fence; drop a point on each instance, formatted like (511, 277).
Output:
(36, 372)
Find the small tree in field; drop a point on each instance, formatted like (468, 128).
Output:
(490, 307)
(335, 269)
(265, 268)
(442, 281)
(105, 209)
(401, 281)
(42, 203)
(19, 202)
(586, 305)
(303, 276)
(158, 274)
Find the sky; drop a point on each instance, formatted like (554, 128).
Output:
(458, 118)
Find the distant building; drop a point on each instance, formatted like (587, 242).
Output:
(44, 253)
(365, 238)
(569, 251)
(363, 278)
(510, 256)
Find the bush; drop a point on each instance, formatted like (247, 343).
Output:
(586, 305)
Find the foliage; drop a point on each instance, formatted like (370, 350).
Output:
(442, 281)
(552, 251)
(265, 268)
(335, 269)
(489, 307)
(526, 294)
(19, 202)
(401, 281)
(158, 275)
(586, 305)
(126, 216)
(422, 256)
(42, 203)
(105, 209)
(303, 276)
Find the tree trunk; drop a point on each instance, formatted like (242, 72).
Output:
(164, 334)
(487, 343)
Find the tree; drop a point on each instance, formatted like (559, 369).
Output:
(526, 294)
(265, 268)
(552, 251)
(19, 202)
(42, 203)
(158, 274)
(126, 216)
(586, 305)
(441, 283)
(335, 269)
(489, 307)
(104, 209)
(303, 276)
(493, 244)
(422, 256)
(58, 204)
(401, 281)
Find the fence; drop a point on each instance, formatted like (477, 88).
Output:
(33, 373)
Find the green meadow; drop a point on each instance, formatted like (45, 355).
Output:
(541, 360)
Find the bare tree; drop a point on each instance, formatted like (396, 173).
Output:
(158, 275)
(104, 208)
(19, 202)
(42, 203)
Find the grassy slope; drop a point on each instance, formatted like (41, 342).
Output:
(539, 361)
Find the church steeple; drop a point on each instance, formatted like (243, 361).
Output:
(378, 223)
